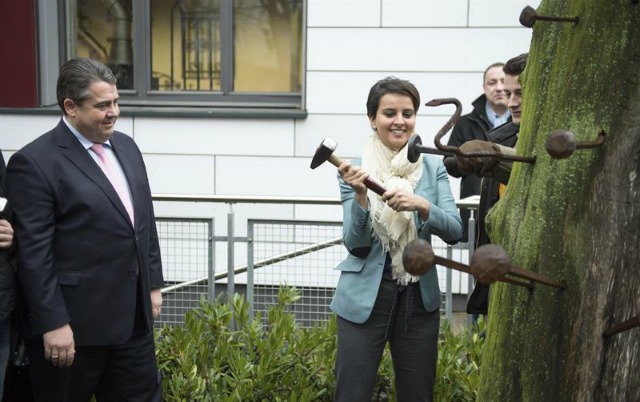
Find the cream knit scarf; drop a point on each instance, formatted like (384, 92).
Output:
(394, 229)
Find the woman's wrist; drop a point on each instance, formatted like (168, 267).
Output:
(423, 210)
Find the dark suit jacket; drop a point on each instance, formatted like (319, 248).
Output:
(7, 270)
(78, 253)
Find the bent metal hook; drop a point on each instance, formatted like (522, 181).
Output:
(449, 125)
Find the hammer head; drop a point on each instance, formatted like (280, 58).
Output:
(323, 152)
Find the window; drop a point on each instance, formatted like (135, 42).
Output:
(228, 53)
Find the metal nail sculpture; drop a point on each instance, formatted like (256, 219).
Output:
(489, 263)
(529, 16)
(324, 153)
(623, 326)
(455, 150)
(561, 144)
(415, 148)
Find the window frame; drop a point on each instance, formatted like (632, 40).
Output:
(142, 96)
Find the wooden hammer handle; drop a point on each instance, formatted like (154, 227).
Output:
(371, 184)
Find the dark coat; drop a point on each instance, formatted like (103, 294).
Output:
(507, 135)
(471, 126)
(79, 255)
(7, 264)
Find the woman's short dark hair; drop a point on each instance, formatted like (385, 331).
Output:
(391, 85)
(76, 75)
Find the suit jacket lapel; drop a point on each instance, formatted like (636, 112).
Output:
(73, 150)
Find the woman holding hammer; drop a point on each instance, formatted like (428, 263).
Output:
(376, 300)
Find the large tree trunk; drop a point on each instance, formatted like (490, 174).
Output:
(575, 219)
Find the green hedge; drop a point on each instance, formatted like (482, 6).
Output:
(205, 360)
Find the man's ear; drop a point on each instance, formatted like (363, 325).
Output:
(69, 107)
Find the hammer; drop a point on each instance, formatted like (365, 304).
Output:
(324, 153)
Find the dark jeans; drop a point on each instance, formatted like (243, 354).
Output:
(414, 353)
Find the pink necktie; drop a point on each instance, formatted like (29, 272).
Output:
(116, 182)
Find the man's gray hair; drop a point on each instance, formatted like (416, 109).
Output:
(76, 75)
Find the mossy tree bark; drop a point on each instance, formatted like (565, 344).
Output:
(576, 219)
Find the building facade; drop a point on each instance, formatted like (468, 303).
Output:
(232, 97)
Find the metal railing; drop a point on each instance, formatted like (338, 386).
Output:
(302, 253)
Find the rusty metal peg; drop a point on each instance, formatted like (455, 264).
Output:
(529, 16)
(623, 326)
(418, 258)
(455, 150)
(415, 148)
(561, 144)
(490, 263)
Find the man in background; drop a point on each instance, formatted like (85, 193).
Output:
(7, 278)
(489, 111)
(495, 173)
(88, 253)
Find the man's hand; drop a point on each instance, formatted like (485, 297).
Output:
(6, 234)
(479, 166)
(59, 347)
(156, 302)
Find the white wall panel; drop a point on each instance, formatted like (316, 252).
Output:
(286, 177)
(349, 131)
(424, 13)
(125, 125)
(17, 131)
(215, 136)
(498, 13)
(346, 92)
(343, 13)
(329, 213)
(180, 174)
(412, 49)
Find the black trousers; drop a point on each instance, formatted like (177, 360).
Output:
(126, 372)
(414, 352)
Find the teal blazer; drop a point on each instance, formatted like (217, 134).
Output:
(361, 271)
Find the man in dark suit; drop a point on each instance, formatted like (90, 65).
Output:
(7, 278)
(88, 252)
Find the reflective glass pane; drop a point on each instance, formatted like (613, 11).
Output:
(185, 45)
(268, 45)
(102, 31)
